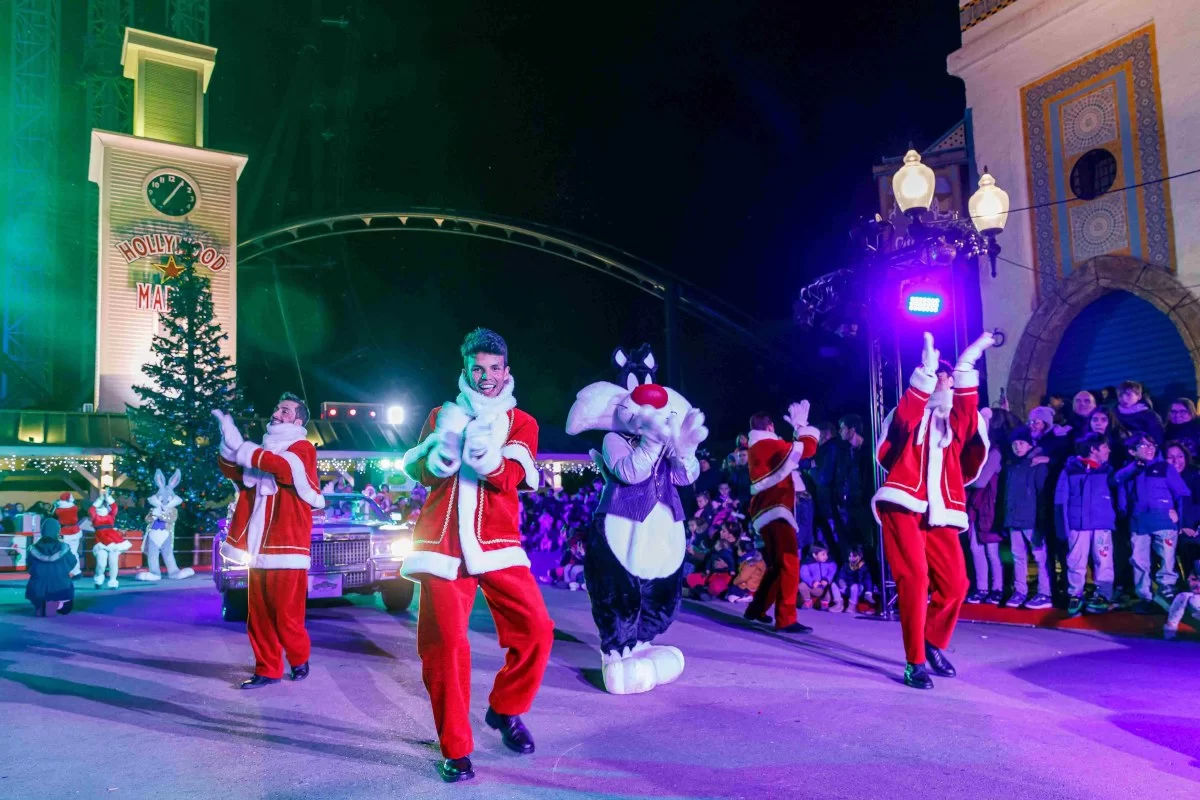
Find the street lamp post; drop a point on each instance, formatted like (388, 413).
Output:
(928, 241)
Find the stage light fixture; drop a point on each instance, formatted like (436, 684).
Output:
(395, 415)
(924, 304)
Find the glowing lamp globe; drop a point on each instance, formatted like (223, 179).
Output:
(395, 415)
(913, 184)
(988, 207)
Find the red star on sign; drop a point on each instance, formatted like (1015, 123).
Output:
(170, 269)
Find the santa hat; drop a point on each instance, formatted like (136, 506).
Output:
(65, 500)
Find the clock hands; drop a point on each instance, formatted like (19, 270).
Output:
(178, 186)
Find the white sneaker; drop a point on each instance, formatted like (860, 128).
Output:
(573, 586)
(112, 584)
(186, 572)
(99, 581)
(147, 576)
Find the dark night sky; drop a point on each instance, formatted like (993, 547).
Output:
(730, 142)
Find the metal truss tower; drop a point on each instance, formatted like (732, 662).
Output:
(109, 101)
(188, 19)
(32, 189)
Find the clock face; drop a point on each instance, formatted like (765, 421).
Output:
(171, 193)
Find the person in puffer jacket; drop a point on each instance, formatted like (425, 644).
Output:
(50, 564)
(1023, 497)
(1151, 494)
(817, 584)
(1085, 518)
(1183, 603)
(1135, 415)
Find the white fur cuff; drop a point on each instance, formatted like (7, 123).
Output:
(923, 381)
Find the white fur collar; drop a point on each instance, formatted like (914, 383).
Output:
(474, 404)
(282, 435)
(761, 436)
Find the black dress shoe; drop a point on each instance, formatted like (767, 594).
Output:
(938, 662)
(514, 733)
(258, 681)
(454, 770)
(301, 672)
(765, 619)
(66, 607)
(916, 676)
(795, 627)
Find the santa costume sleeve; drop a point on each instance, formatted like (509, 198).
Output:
(230, 469)
(295, 467)
(416, 460)
(518, 462)
(964, 412)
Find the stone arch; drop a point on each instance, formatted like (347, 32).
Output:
(1070, 295)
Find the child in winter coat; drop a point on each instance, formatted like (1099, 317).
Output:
(1151, 495)
(1183, 603)
(1134, 415)
(1024, 488)
(817, 584)
(751, 569)
(719, 567)
(570, 567)
(50, 565)
(1085, 518)
(854, 581)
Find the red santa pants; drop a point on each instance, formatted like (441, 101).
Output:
(523, 628)
(781, 581)
(924, 558)
(276, 619)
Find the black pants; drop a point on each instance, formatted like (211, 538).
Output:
(627, 609)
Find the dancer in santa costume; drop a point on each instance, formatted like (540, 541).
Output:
(473, 454)
(67, 514)
(110, 542)
(774, 481)
(934, 446)
(271, 532)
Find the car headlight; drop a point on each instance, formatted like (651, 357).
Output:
(392, 548)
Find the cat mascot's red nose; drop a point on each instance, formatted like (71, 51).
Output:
(650, 394)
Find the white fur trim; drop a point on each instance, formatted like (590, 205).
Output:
(415, 454)
(116, 547)
(771, 515)
(966, 378)
(926, 384)
(759, 436)
(982, 433)
(244, 455)
(304, 487)
(476, 559)
(806, 432)
(520, 454)
(280, 561)
(426, 562)
(890, 494)
(780, 473)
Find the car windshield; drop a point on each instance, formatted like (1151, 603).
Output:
(353, 508)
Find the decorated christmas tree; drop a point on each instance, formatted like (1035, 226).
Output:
(173, 428)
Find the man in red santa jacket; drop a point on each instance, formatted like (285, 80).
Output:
(473, 454)
(934, 446)
(67, 514)
(271, 532)
(774, 481)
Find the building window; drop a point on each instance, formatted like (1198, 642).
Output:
(1093, 174)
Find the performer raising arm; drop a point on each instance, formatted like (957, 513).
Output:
(935, 444)
(473, 454)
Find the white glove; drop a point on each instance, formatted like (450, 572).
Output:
(690, 434)
(231, 437)
(480, 453)
(930, 357)
(444, 457)
(967, 360)
(797, 415)
(652, 424)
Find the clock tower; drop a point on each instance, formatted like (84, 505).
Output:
(161, 193)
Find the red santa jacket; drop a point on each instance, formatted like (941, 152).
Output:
(921, 476)
(68, 518)
(469, 520)
(272, 531)
(774, 479)
(103, 524)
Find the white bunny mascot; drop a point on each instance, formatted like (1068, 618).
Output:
(635, 549)
(160, 531)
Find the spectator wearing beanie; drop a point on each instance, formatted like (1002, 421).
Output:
(1024, 497)
(1041, 428)
(50, 565)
